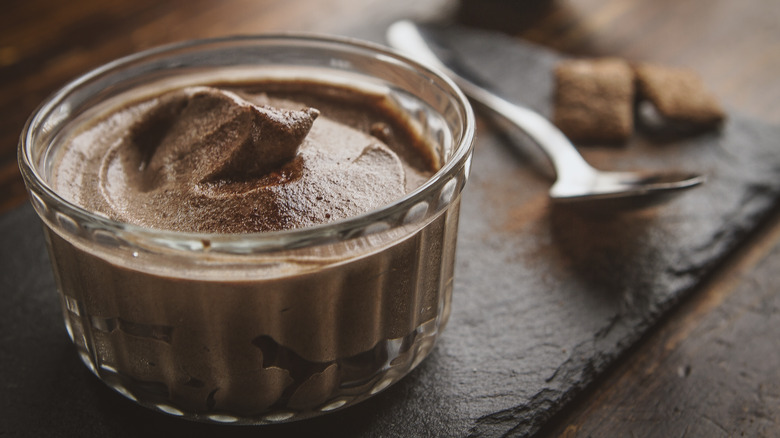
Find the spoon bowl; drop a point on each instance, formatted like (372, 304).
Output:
(577, 180)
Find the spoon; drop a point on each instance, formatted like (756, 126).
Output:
(576, 179)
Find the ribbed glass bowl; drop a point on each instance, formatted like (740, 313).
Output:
(264, 327)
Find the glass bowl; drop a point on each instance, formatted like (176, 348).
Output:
(262, 327)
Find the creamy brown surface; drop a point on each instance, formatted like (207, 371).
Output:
(209, 159)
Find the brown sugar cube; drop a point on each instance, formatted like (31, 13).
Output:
(594, 99)
(678, 95)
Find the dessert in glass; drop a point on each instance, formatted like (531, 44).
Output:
(252, 230)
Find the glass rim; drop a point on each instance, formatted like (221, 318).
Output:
(291, 238)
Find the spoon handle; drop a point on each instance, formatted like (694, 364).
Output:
(568, 163)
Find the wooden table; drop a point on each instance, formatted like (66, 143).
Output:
(700, 372)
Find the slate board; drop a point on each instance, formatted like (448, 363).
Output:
(545, 298)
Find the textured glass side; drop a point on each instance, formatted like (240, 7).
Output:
(299, 346)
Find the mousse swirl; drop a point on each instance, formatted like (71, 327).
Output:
(204, 159)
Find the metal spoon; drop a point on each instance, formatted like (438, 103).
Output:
(576, 179)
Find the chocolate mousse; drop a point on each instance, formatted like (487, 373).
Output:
(262, 336)
(207, 159)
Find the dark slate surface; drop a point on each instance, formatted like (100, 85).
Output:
(545, 298)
